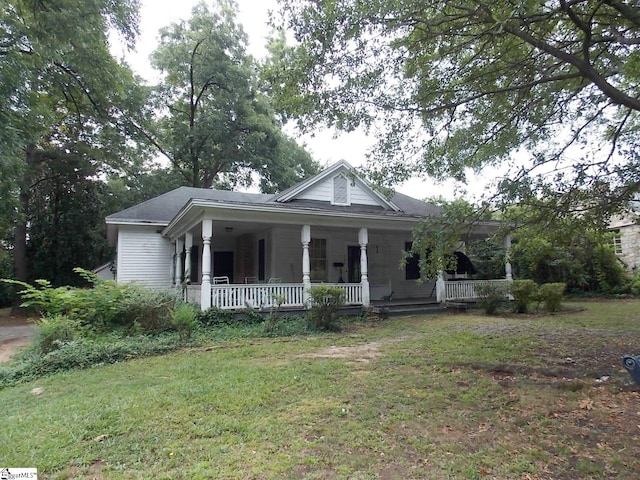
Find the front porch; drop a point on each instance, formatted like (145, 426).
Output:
(292, 295)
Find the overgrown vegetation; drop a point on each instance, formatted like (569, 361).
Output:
(428, 398)
(108, 323)
(325, 305)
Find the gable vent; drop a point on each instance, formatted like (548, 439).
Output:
(340, 190)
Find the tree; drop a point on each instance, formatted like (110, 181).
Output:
(549, 90)
(214, 124)
(61, 91)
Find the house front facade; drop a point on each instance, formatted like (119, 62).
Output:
(236, 250)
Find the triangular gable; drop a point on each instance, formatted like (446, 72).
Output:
(337, 185)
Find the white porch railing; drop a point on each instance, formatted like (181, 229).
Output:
(229, 297)
(352, 292)
(466, 289)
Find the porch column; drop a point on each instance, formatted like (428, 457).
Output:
(177, 279)
(205, 288)
(363, 240)
(188, 245)
(441, 289)
(305, 237)
(506, 241)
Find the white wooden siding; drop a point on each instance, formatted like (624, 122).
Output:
(145, 257)
(361, 197)
(323, 192)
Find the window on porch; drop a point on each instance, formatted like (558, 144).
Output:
(318, 259)
(412, 267)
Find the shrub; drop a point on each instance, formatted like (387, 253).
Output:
(213, 317)
(53, 332)
(325, 304)
(272, 320)
(183, 320)
(551, 295)
(524, 292)
(105, 306)
(491, 297)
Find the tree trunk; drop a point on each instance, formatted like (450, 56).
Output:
(20, 236)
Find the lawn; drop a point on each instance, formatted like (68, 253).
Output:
(424, 397)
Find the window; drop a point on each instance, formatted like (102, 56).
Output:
(340, 190)
(412, 267)
(617, 242)
(318, 259)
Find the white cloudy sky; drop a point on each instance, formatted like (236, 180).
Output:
(253, 15)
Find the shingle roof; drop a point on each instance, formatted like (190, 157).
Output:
(161, 210)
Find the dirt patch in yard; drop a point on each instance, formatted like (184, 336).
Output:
(364, 353)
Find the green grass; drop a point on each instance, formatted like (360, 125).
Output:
(434, 397)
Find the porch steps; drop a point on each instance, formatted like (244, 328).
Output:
(398, 308)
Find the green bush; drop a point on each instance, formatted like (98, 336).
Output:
(183, 320)
(326, 302)
(104, 307)
(550, 294)
(53, 332)
(213, 317)
(491, 297)
(524, 293)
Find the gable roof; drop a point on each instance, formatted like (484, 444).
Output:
(163, 209)
(297, 191)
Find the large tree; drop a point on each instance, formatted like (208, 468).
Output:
(547, 90)
(213, 123)
(61, 92)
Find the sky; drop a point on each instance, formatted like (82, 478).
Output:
(325, 146)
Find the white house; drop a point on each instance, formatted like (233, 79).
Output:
(233, 250)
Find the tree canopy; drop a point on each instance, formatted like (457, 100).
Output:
(63, 101)
(547, 90)
(213, 122)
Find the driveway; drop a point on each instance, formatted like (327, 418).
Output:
(15, 333)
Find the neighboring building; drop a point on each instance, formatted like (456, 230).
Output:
(232, 250)
(626, 236)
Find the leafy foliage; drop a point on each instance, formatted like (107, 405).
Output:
(325, 305)
(549, 90)
(551, 295)
(491, 297)
(524, 293)
(215, 126)
(183, 320)
(104, 307)
(63, 97)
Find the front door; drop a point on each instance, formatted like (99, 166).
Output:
(353, 263)
(223, 265)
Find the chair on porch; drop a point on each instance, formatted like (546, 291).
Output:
(250, 280)
(221, 280)
(275, 280)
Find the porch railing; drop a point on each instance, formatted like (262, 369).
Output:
(230, 297)
(352, 292)
(466, 289)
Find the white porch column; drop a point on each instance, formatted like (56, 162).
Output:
(507, 256)
(305, 238)
(178, 274)
(441, 289)
(363, 240)
(205, 289)
(188, 245)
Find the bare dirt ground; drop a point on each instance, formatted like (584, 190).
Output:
(15, 334)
